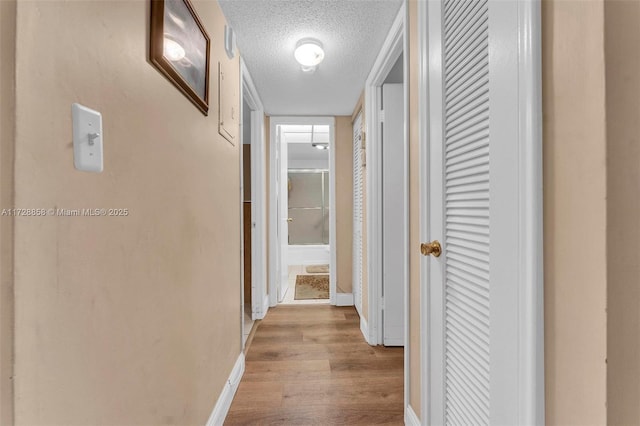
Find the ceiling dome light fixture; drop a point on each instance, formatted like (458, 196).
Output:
(309, 54)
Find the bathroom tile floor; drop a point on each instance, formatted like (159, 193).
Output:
(294, 271)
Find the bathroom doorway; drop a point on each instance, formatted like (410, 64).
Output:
(303, 199)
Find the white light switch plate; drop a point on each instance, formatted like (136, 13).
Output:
(87, 139)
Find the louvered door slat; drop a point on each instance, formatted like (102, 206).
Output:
(469, 375)
(473, 408)
(470, 285)
(454, 8)
(468, 153)
(468, 243)
(453, 30)
(472, 203)
(474, 278)
(465, 52)
(471, 125)
(455, 413)
(478, 167)
(472, 265)
(470, 230)
(467, 114)
(463, 145)
(470, 84)
(478, 99)
(357, 212)
(465, 352)
(474, 81)
(472, 318)
(469, 62)
(467, 213)
(478, 375)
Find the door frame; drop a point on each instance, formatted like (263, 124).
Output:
(395, 44)
(274, 247)
(393, 47)
(530, 285)
(259, 299)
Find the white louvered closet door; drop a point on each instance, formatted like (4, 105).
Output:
(476, 349)
(357, 212)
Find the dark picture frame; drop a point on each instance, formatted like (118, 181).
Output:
(179, 47)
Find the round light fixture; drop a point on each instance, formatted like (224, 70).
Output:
(309, 54)
(318, 145)
(173, 51)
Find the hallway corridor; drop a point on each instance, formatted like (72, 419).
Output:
(310, 365)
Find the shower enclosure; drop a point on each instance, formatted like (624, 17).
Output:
(308, 206)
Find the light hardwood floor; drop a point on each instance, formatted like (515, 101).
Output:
(309, 365)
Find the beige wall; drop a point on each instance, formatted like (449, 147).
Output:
(414, 212)
(7, 118)
(574, 211)
(622, 38)
(121, 320)
(344, 203)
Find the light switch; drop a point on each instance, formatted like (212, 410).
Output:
(87, 139)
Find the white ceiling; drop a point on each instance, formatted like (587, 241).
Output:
(298, 152)
(301, 154)
(352, 32)
(306, 133)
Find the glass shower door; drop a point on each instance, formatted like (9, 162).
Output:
(308, 207)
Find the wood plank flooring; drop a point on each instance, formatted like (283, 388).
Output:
(310, 365)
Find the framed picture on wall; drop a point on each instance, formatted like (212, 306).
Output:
(179, 49)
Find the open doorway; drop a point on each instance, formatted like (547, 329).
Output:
(394, 213)
(387, 192)
(302, 205)
(247, 219)
(306, 198)
(254, 299)
(387, 196)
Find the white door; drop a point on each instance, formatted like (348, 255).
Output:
(393, 215)
(484, 309)
(358, 177)
(278, 223)
(283, 184)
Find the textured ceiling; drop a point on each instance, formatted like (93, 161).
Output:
(352, 32)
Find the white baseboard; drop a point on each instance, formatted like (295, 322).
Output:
(308, 255)
(264, 309)
(228, 392)
(410, 417)
(397, 342)
(344, 299)
(364, 328)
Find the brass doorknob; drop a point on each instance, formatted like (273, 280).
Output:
(289, 219)
(433, 248)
